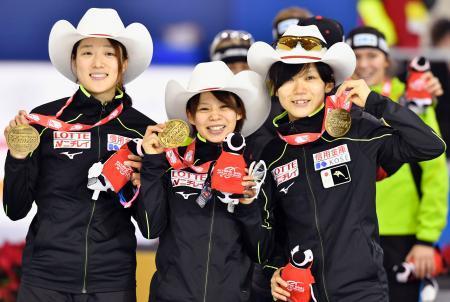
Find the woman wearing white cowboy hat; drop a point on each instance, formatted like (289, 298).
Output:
(79, 248)
(323, 165)
(204, 250)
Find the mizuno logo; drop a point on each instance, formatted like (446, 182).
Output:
(186, 196)
(70, 155)
(285, 190)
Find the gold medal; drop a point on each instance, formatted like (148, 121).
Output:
(175, 133)
(23, 139)
(338, 122)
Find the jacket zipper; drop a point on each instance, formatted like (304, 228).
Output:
(316, 217)
(209, 251)
(84, 290)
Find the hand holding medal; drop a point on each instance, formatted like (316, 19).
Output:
(338, 119)
(172, 134)
(357, 91)
(21, 138)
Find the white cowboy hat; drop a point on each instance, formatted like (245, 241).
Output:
(100, 23)
(340, 57)
(213, 76)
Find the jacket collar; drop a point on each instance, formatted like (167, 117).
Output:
(88, 105)
(204, 150)
(312, 123)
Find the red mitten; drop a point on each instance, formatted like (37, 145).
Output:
(229, 168)
(415, 86)
(298, 275)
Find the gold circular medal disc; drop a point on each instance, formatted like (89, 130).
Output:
(175, 133)
(338, 122)
(23, 139)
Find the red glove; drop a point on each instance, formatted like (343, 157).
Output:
(298, 275)
(415, 86)
(229, 168)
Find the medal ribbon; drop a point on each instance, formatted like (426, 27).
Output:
(178, 162)
(386, 89)
(54, 123)
(331, 103)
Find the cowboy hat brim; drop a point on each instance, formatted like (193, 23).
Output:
(246, 84)
(340, 57)
(135, 38)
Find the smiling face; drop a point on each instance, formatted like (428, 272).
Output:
(97, 67)
(371, 65)
(212, 118)
(304, 93)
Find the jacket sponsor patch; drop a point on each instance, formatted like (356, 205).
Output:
(335, 176)
(71, 140)
(285, 172)
(331, 157)
(116, 141)
(187, 179)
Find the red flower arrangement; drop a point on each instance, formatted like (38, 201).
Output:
(10, 270)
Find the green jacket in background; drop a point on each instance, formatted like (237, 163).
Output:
(400, 209)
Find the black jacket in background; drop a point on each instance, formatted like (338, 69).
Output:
(75, 244)
(204, 253)
(339, 223)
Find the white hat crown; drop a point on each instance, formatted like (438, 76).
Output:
(104, 21)
(100, 23)
(340, 57)
(209, 76)
(304, 31)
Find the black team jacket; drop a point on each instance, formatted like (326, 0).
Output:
(204, 254)
(321, 195)
(75, 244)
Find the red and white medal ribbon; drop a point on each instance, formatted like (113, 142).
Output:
(178, 162)
(331, 102)
(54, 123)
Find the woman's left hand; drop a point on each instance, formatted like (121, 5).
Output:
(432, 84)
(357, 90)
(250, 192)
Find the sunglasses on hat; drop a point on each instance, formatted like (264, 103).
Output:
(307, 43)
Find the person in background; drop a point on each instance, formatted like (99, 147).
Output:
(231, 47)
(412, 203)
(286, 17)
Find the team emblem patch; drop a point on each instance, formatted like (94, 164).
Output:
(335, 176)
(331, 157)
(285, 172)
(71, 140)
(116, 141)
(187, 179)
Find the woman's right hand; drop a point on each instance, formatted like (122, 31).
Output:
(277, 284)
(19, 119)
(151, 143)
